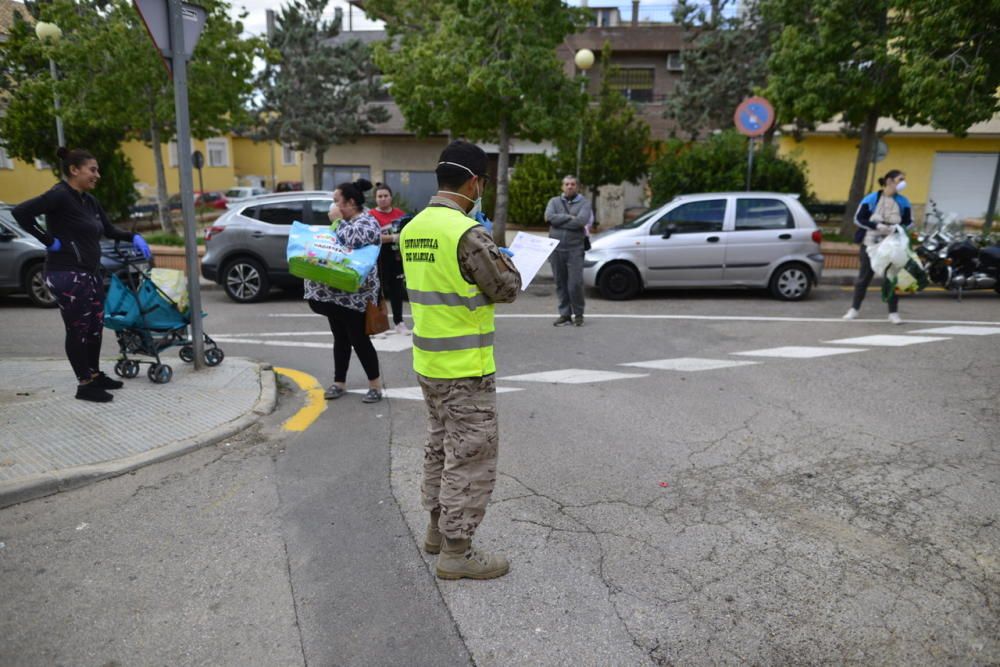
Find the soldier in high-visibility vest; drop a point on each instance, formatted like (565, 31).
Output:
(454, 274)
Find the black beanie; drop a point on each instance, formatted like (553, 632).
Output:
(459, 154)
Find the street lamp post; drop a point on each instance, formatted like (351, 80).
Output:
(49, 33)
(584, 60)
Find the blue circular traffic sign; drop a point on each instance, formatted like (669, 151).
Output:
(754, 116)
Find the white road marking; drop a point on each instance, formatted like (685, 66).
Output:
(270, 343)
(961, 331)
(273, 334)
(708, 318)
(390, 344)
(798, 352)
(690, 364)
(415, 394)
(886, 340)
(573, 376)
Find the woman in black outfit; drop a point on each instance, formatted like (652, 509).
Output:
(345, 311)
(74, 225)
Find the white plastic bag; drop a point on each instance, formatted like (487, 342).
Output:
(172, 283)
(891, 254)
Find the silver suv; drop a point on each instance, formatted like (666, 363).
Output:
(245, 247)
(22, 261)
(718, 239)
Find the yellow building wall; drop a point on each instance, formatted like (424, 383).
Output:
(24, 182)
(830, 161)
(253, 160)
(141, 156)
(246, 159)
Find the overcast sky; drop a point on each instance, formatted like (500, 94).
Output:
(256, 23)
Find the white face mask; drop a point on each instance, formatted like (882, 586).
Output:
(900, 186)
(477, 203)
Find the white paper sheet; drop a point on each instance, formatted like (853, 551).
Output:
(530, 252)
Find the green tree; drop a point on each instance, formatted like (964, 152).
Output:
(719, 164)
(482, 69)
(113, 82)
(28, 125)
(316, 94)
(536, 179)
(616, 140)
(724, 62)
(918, 61)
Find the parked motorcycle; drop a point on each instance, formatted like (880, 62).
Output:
(956, 261)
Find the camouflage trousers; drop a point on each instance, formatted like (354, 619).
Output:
(460, 457)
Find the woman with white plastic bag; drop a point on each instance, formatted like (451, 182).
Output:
(878, 215)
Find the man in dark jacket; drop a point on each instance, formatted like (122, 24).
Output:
(568, 216)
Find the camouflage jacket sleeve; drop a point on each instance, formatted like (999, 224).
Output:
(482, 263)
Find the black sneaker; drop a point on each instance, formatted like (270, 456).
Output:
(578, 320)
(373, 396)
(93, 393)
(105, 382)
(563, 321)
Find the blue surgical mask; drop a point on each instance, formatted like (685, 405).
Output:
(900, 186)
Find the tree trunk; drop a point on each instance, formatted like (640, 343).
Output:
(868, 138)
(162, 206)
(500, 211)
(318, 169)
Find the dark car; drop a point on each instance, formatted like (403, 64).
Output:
(288, 186)
(22, 259)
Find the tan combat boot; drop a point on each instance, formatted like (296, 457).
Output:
(432, 542)
(459, 560)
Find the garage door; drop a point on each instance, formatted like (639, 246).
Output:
(961, 182)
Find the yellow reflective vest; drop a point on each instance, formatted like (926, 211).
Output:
(452, 319)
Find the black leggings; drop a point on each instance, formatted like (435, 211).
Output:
(865, 275)
(348, 328)
(390, 273)
(80, 296)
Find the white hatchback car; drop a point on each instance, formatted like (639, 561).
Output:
(719, 239)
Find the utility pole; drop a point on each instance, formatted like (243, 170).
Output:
(175, 12)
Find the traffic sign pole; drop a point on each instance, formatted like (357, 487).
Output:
(179, 61)
(753, 117)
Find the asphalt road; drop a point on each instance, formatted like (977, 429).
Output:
(723, 509)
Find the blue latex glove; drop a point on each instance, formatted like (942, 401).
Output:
(142, 246)
(485, 222)
(56, 245)
(506, 251)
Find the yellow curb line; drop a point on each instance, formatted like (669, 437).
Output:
(315, 403)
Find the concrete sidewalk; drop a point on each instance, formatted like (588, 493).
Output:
(51, 442)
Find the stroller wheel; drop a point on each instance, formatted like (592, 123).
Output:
(214, 356)
(120, 368)
(130, 368)
(160, 373)
(187, 353)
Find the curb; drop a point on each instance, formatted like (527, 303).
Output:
(37, 486)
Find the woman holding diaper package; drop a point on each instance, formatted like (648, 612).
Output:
(345, 311)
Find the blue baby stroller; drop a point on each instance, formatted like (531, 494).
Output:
(146, 321)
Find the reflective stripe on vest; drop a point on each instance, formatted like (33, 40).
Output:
(452, 320)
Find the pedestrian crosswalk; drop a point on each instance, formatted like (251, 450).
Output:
(576, 376)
